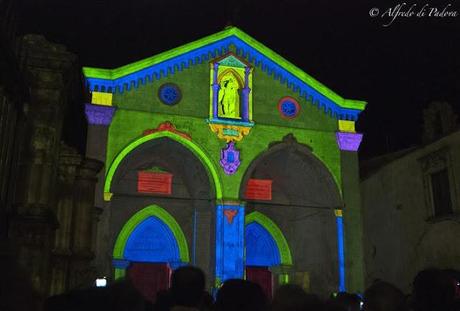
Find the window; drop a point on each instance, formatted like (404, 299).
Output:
(440, 189)
(440, 199)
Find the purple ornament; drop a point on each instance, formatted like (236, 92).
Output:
(230, 158)
(99, 115)
(349, 141)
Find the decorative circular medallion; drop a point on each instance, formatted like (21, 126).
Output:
(169, 94)
(288, 107)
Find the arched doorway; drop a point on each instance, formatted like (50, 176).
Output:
(266, 247)
(194, 186)
(302, 198)
(150, 244)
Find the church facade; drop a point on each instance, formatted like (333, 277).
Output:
(222, 154)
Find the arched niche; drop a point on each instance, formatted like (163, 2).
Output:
(152, 241)
(261, 248)
(190, 176)
(299, 176)
(195, 187)
(304, 197)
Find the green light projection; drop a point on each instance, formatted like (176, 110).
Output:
(127, 124)
(111, 74)
(139, 110)
(185, 142)
(274, 230)
(119, 273)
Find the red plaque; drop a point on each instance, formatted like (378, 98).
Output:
(259, 189)
(154, 182)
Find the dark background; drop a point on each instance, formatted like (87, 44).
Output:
(397, 69)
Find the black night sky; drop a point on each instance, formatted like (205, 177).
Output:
(397, 69)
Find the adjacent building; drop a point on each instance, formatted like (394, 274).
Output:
(46, 187)
(411, 203)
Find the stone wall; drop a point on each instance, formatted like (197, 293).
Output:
(401, 233)
(53, 201)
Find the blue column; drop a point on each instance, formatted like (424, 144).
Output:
(229, 242)
(340, 249)
(246, 90)
(215, 92)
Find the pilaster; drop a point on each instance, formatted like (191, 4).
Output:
(83, 217)
(69, 160)
(49, 72)
(229, 241)
(348, 141)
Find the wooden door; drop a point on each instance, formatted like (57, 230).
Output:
(149, 278)
(261, 276)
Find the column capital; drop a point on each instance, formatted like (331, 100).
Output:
(230, 202)
(349, 141)
(338, 213)
(119, 263)
(99, 115)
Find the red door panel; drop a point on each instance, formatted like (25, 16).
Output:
(261, 276)
(149, 278)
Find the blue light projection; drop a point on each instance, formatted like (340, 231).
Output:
(261, 248)
(152, 241)
(288, 107)
(339, 222)
(229, 242)
(211, 50)
(169, 94)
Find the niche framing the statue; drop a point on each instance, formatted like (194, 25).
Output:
(230, 109)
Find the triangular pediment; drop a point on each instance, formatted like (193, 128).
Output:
(231, 61)
(167, 63)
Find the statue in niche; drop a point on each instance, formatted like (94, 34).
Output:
(229, 97)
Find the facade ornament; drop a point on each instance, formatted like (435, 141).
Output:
(230, 158)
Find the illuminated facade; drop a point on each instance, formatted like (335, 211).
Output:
(222, 154)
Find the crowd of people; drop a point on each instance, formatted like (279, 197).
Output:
(433, 290)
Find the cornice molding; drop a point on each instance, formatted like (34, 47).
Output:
(168, 63)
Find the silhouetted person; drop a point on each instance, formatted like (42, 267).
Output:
(186, 291)
(240, 295)
(344, 301)
(163, 301)
(314, 303)
(119, 296)
(455, 276)
(434, 290)
(382, 296)
(292, 297)
(16, 291)
(124, 296)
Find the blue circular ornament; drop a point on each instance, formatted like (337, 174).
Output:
(169, 94)
(288, 107)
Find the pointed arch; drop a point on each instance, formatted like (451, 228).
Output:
(141, 216)
(275, 231)
(190, 145)
(232, 72)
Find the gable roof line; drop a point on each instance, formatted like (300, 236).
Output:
(217, 44)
